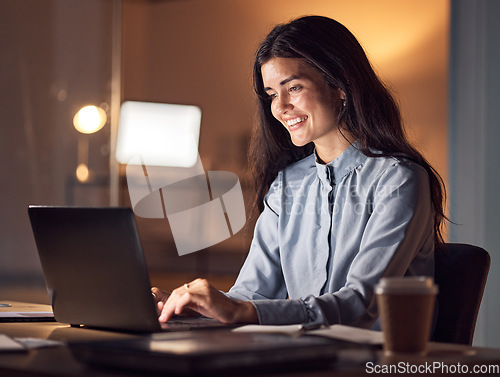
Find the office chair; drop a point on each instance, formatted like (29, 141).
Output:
(461, 272)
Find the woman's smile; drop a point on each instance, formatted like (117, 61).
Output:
(295, 123)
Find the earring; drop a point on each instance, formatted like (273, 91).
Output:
(343, 102)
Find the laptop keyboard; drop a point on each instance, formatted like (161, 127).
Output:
(194, 323)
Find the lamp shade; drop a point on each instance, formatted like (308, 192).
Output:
(158, 134)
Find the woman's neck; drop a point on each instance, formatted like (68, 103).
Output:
(336, 145)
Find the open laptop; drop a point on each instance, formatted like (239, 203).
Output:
(95, 270)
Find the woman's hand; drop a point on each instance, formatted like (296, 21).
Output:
(201, 297)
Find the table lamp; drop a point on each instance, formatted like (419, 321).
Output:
(87, 120)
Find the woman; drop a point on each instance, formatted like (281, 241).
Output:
(344, 198)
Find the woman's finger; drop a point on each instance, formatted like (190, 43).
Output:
(168, 308)
(187, 296)
(159, 295)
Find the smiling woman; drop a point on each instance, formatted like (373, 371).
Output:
(344, 199)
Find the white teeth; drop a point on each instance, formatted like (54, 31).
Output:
(295, 121)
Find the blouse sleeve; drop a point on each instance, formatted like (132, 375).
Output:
(261, 276)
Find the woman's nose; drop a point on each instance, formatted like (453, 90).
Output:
(282, 105)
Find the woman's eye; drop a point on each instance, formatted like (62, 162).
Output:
(294, 88)
(272, 96)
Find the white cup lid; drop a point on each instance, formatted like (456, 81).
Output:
(406, 284)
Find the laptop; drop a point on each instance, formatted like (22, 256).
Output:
(95, 271)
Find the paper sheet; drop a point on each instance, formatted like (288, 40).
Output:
(32, 343)
(25, 315)
(283, 329)
(342, 332)
(9, 344)
(351, 334)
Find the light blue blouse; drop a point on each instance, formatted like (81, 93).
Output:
(328, 233)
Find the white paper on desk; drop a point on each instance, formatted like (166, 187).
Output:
(26, 315)
(269, 329)
(32, 343)
(341, 332)
(9, 344)
(351, 334)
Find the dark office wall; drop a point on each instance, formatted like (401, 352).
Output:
(55, 58)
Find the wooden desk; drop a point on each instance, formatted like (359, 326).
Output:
(59, 361)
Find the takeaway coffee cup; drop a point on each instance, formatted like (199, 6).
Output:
(406, 307)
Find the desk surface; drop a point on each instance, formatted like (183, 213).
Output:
(58, 361)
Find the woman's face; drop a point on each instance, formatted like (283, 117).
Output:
(302, 101)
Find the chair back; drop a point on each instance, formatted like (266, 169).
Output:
(461, 272)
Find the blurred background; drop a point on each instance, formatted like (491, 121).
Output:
(439, 57)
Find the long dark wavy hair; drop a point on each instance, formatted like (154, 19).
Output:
(370, 114)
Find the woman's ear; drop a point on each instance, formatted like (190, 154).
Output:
(342, 97)
(342, 94)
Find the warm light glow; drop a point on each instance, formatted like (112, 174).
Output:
(82, 173)
(159, 134)
(89, 119)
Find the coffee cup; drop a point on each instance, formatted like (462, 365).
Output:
(406, 307)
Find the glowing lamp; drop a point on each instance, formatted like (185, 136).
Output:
(159, 134)
(89, 119)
